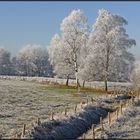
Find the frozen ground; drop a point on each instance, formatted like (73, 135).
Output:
(24, 101)
(126, 127)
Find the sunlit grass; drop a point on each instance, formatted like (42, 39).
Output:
(73, 89)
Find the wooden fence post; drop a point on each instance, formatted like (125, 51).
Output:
(92, 100)
(114, 88)
(16, 136)
(38, 121)
(137, 94)
(121, 108)
(23, 130)
(52, 118)
(75, 108)
(93, 132)
(116, 95)
(132, 99)
(65, 111)
(84, 136)
(101, 122)
(102, 127)
(127, 103)
(82, 105)
(87, 101)
(109, 118)
(117, 113)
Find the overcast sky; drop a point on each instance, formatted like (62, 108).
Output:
(24, 23)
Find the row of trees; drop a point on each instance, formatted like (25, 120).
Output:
(97, 53)
(80, 52)
(32, 60)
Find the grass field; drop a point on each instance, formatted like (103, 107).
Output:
(22, 102)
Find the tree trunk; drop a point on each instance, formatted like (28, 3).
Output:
(76, 76)
(67, 81)
(84, 83)
(77, 81)
(106, 87)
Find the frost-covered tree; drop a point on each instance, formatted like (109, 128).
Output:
(91, 68)
(109, 42)
(122, 68)
(57, 57)
(32, 60)
(40, 60)
(135, 76)
(74, 35)
(5, 64)
(26, 66)
(14, 66)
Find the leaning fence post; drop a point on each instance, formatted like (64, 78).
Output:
(93, 132)
(23, 130)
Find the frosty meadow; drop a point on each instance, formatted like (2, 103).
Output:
(99, 53)
(84, 85)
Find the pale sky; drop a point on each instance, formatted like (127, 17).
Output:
(23, 23)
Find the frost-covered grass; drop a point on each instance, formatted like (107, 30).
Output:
(72, 127)
(24, 101)
(72, 82)
(127, 126)
(73, 124)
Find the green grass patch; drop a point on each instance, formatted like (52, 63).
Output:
(59, 88)
(72, 89)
